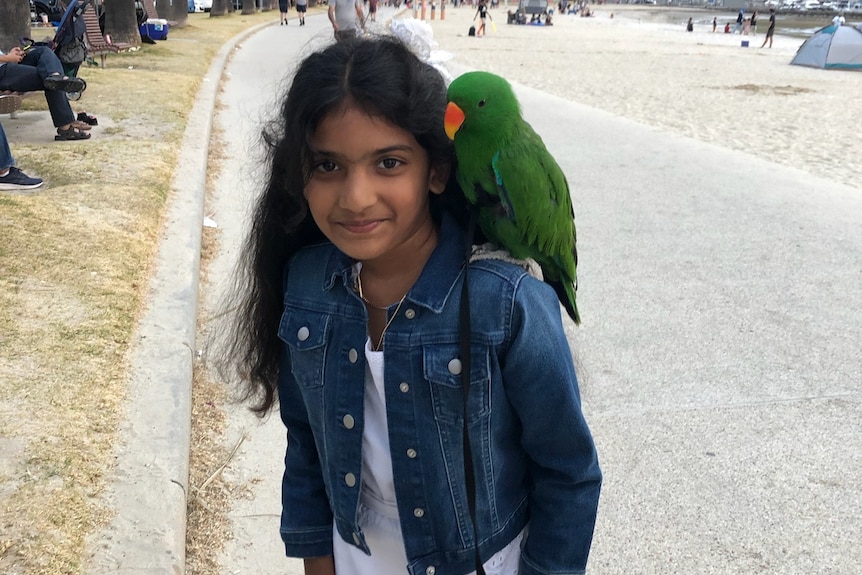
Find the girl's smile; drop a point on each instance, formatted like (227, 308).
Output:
(361, 227)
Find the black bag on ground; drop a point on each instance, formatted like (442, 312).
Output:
(471, 31)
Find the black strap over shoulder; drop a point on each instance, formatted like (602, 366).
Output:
(464, 331)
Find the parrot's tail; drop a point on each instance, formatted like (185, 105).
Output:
(566, 294)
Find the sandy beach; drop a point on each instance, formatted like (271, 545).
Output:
(701, 84)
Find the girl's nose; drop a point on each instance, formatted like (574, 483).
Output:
(358, 194)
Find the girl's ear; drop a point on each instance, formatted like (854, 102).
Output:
(438, 177)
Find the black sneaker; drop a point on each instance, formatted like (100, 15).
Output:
(18, 180)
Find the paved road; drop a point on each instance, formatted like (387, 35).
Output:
(720, 350)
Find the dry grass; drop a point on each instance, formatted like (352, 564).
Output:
(74, 261)
(209, 499)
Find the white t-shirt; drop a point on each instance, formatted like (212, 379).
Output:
(838, 20)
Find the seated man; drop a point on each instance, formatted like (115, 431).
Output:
(11, 178)
(38, 69)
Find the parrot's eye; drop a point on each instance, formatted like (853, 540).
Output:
(482, 103)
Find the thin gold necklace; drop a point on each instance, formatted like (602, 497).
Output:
(391, 319)
(362, 296)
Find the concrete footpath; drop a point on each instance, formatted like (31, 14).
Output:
(719, 355)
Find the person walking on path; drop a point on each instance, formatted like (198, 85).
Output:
(301, 9)
(739, 19)
(482, 13)
(771, 30)
(283, 8)
(347, 317)
(347, 18)
(39, 70)
(754, 23)
(11, 178)
(714, 23)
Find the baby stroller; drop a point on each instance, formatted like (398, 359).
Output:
(69, 45)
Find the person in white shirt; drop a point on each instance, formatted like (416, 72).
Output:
(838, 20)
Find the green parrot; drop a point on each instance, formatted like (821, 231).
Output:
(506, 171)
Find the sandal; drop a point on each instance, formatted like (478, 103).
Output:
(87, 118)
(71, 133)
(64, 84)
(84, 126)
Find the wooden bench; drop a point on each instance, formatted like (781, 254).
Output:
(98, 45)
(10, 102)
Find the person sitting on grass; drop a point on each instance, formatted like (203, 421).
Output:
(39, 69)
(11, 178)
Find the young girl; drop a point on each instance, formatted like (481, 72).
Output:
(348, 318)
(482, 13)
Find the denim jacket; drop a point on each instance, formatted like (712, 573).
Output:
(533, 455)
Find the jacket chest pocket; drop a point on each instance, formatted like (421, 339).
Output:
(306, 335)
(443, 367)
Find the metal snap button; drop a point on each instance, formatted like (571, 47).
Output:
(411, 453)
(303, 333)
(430, 570)
(404, 387)
(348, 421)
(352, 356)
(419, 512)
(455, 366)
(410, 314)
(350, 480)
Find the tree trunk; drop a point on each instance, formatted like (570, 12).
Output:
(220, 8)
(121, 22)
(267, 5)
(14, 23)
(178, 12)
(248, 7)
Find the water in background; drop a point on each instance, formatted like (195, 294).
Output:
(787, 24)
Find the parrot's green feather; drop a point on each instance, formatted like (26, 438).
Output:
(505, 169)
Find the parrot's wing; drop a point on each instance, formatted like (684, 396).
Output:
(536, 219)
(534, 195)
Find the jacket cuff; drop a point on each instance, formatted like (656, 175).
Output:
(308, 543)
(530, 568)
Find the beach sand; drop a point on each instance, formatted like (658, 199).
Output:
(701, 84)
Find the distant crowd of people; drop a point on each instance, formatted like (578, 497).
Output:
(744, 26)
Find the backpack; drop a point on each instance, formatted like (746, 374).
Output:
(72, 53)
(471, 31)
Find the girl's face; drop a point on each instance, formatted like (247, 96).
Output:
(368, 191)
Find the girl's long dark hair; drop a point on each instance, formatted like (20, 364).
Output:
(380, 76)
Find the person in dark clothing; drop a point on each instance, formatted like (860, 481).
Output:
(39, 70)
(482, 13)
(771, 30)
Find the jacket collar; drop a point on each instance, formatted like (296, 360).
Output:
(437, 279)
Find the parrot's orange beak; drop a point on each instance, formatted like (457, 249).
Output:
(453, 119)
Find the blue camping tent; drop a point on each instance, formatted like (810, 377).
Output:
(833, 47)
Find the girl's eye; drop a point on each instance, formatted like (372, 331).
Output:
(482, 103)
(325, 166)
(389, 163)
